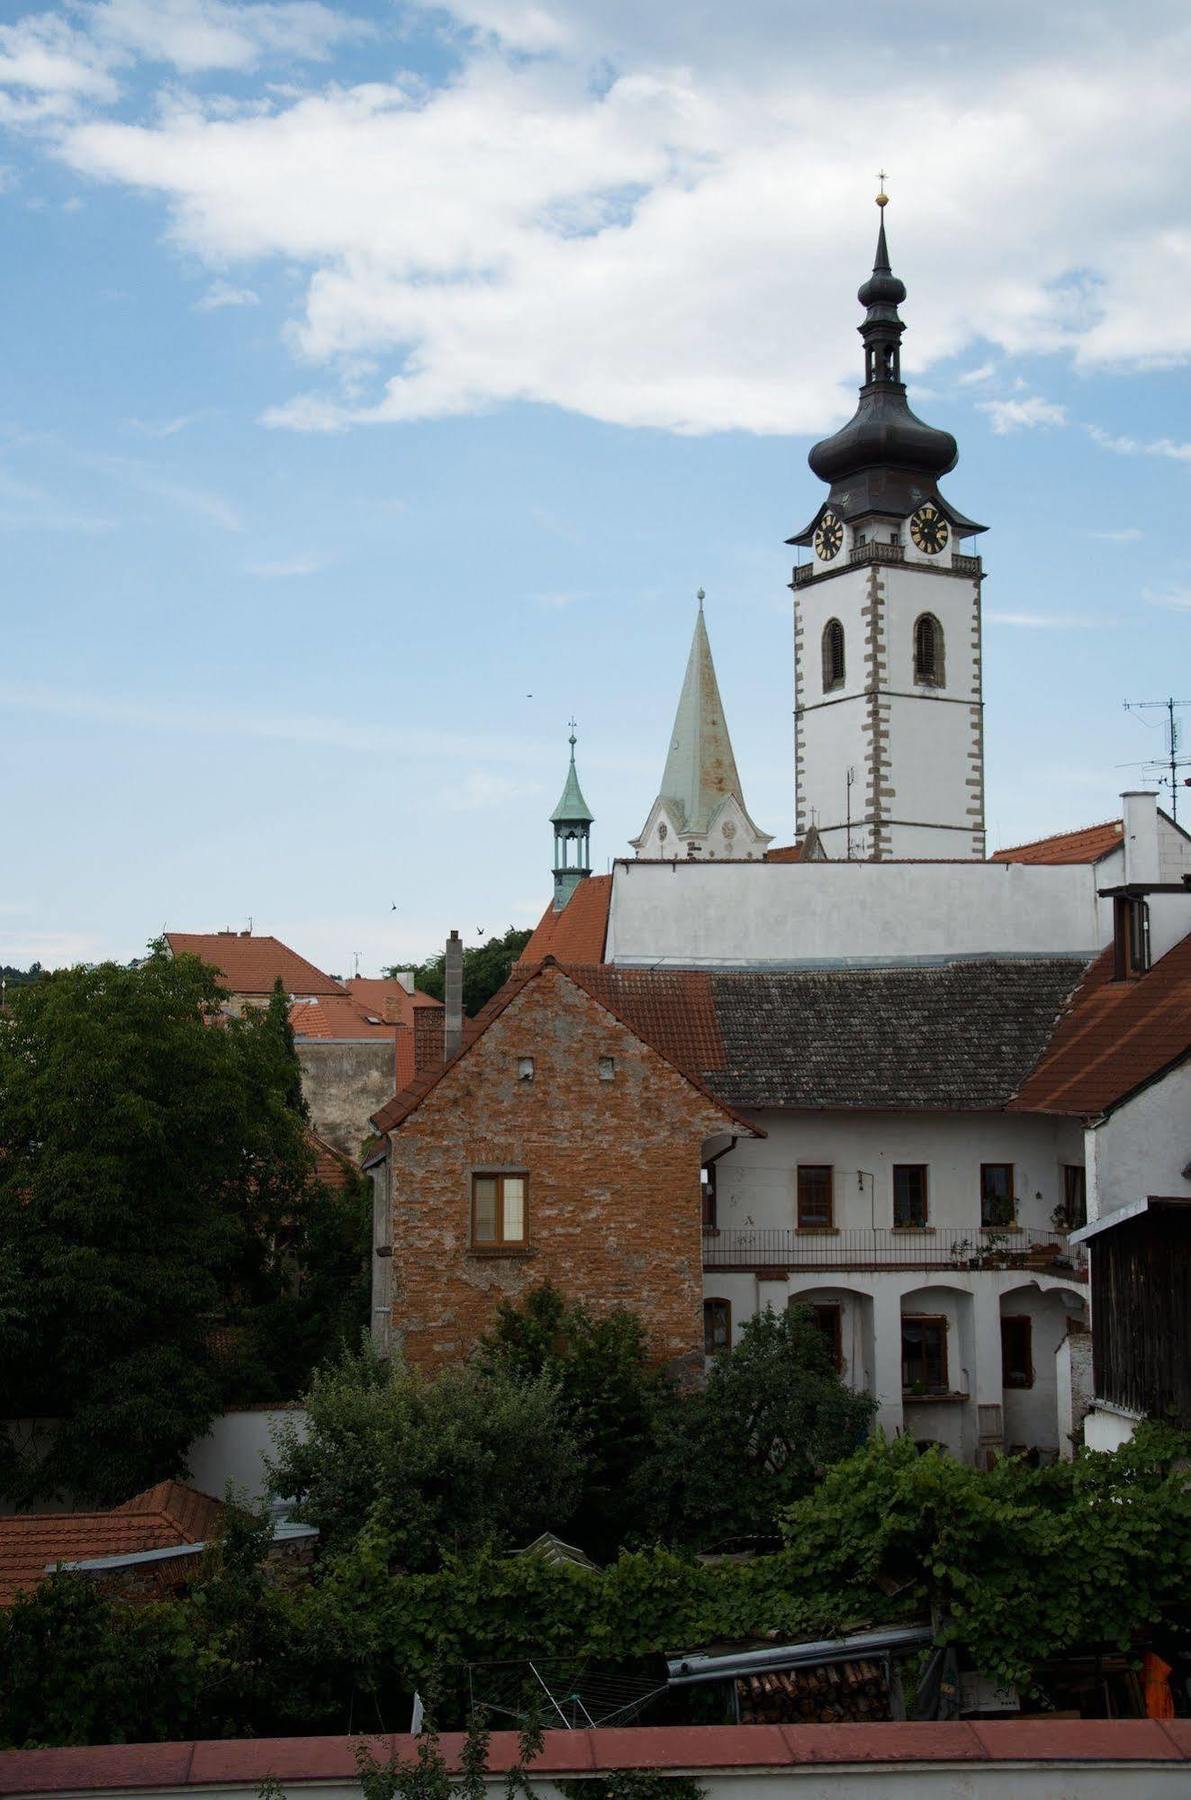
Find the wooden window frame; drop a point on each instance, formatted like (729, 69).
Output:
(500, 1245)
(827, 1224)
(711, 1305)
(1018, 1320)
(935, 675)
(819, 1310)
(912, 1224)
(1075, 1195)
(835, 668)
(709, 1194)
(920, 1320)
(1130, 936)
(998, 1224)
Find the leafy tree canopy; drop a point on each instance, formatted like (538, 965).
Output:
(485, 968)
(1023, 1565)
(12, 978)
(154, 1177)
(610, 1395)
(431, 1467)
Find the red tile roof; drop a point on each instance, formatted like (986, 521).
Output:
(1087, 845)
(332, 1016)
(250, 965)
(1113, 1036)
(577, 933)
(331, 1166)
(161, 1518)
(387, 999)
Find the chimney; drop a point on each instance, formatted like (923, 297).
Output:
(406, 978)
(1141, 838)
(428, 1039)
(453, 996)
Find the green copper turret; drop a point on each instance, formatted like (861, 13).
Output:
(572, 819)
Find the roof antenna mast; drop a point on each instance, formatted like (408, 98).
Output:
(1172, 762)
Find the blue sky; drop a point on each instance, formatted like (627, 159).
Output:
(380, 382)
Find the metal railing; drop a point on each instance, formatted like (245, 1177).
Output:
(882, 1247)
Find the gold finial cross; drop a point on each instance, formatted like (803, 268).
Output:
(882, 197)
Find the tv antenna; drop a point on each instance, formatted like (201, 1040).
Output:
(1165, 769)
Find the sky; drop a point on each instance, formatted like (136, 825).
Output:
(380, 381)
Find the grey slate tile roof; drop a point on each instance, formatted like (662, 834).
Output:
(961, 1037)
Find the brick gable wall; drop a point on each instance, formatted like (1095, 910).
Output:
(613, 1167)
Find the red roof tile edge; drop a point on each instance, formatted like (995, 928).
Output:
(700, 1748)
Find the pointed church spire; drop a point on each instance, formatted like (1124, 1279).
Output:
(700, 802)
(572, 820)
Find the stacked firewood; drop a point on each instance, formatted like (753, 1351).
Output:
(815, 1696)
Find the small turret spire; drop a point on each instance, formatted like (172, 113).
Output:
(572, 820)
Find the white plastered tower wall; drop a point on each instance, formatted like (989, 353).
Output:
(889, 733)
(915, 748)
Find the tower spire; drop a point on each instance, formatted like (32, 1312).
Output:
(572, 820)
(700, 808)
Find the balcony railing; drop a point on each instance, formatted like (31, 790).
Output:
(803, 572)
(958, 1248)
(876, 551)
(969, 565)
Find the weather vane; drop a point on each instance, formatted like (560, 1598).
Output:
(572, 723)
(882, 197)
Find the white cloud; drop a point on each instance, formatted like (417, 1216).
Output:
(162, 428)
(558, 600)
(1039, 621)
(1027, 414)
(976, 377)
(1176, 600)
(195, 35)
(1127, 446)
(295, 565)
(413, 742)
(222, 293)
(52, 67)
(657, 218)
(1129, 534)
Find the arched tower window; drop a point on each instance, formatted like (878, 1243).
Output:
(928, 651)
(833, 655)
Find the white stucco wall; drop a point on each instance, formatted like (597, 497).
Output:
(235, 1447)
(757, 1180)
(756, 1186)
(1143, 1147)
(1107, 1428)
(839, 913)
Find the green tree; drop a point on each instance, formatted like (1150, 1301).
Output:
(429, 1467)
(774, 1415)
(485, 969)
(1021, 1564)
(149, 1153)
(610, 1394)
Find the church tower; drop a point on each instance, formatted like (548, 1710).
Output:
(700, 810)
(572, 820)
(888, 734)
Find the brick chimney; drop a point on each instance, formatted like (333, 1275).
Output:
(453, 996)
(428, 1039)
(1141, 838)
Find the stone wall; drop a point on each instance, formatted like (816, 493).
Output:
(345, 1082)
(612, 1161)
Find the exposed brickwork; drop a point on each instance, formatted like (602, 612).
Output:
(613, 1168)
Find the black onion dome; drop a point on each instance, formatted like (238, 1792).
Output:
(883, 433)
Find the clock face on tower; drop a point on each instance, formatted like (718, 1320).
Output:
(929, 530)
(829, 536)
